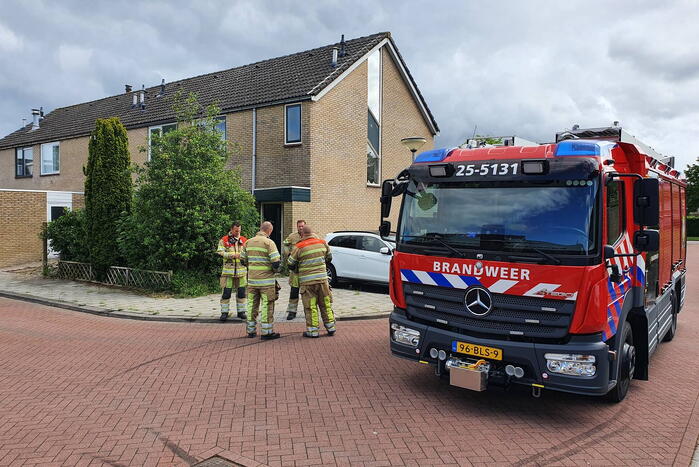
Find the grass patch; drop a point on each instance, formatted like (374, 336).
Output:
(192, 284)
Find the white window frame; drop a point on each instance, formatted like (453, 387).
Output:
(286, 136)
(44, 148)
(160, 128)
(377, 151)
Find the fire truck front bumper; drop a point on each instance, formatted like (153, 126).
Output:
(580, 366)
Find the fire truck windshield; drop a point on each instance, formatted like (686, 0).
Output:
(544, 219)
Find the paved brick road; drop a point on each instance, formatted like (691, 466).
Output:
(83, 389)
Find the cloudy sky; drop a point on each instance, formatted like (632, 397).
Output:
(528, 68)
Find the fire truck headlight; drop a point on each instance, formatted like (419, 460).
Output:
(405, 336)
(571, 364)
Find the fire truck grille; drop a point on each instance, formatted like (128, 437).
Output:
(511, 315)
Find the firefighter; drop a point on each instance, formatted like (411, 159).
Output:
(287, 247)
(262, 258)
(234, 274)
(309, 259)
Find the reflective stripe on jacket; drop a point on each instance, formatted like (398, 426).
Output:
(311, 255)
(260, 254)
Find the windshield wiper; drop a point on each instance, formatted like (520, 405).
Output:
(543, 254)
(438, 238)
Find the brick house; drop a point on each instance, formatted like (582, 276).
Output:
(317, 130)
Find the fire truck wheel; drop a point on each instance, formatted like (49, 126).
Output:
(670, 334)
(627, 365)
(332, 275)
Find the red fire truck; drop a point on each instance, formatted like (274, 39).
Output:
(560, 266)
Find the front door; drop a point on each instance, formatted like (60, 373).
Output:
(273, 212)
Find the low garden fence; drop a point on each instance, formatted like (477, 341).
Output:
(116, 275)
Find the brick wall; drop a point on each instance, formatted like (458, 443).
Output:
(340, 197)
(73, 154)
(279, 164)
(239, 135)
(21, 218)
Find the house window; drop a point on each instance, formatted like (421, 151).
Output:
(220, 125)
(158, 131)
(24, 162)
(292, 124)
(373, 161)
(50, 159)
(372, 166)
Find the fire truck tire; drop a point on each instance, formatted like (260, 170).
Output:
(627, 365)
(670, 334)
(332, 275)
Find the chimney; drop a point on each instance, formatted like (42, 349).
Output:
(35, 119)
(616, 123)
(343, 52)
(162, 88)
(335, 53)
(142, 97)
(41, 113)
(24, 122)
(128, 88)
(134, 104)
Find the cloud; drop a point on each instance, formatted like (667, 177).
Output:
(73, 58)
(9, 42)
(510, 67)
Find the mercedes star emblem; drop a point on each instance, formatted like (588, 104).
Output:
(478, 301)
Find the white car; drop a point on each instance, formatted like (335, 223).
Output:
(359, 256)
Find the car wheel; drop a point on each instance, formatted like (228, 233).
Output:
(670, 334)
(627, 365)
(332, 275)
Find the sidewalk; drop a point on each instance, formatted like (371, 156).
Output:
(26, 284)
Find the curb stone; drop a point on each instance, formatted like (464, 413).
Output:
(145, 317)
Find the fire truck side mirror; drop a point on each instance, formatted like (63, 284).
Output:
(646, 202)
(385, 229)
(386, 195)
(608, 252)
(646, 240)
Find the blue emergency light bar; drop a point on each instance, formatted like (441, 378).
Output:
(584, 148)
(433, 155)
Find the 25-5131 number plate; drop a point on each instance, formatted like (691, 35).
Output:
(476, 350)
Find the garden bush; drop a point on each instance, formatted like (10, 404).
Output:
(68, 236)
(186, 198)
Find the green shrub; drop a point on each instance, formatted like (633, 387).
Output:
(693, 226)
(68, 237)
(185, 199)
(108, 191)
(194, 284)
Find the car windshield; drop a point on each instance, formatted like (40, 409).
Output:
(558, 218)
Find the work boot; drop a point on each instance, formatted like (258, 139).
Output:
(252, 334)
(332, 333)
(308, 334)
(291, 315)
(269, 337)
(242, 315)
(225, 308)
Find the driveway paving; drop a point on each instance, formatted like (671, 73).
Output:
(81, 389)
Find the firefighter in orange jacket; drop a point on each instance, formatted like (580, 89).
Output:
(234, 274)
(309, 259)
